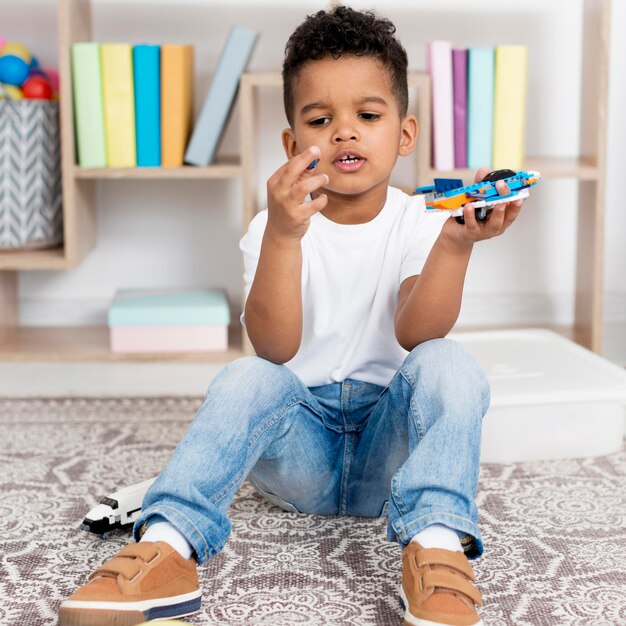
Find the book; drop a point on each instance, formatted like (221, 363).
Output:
(509, 118)
(88, 112)
(147, 76)
(459, 97)
(168, 339)
(119, 104)
(215, 112)
(480, 107)
(176, 102)
(439, 55)
(169, 307)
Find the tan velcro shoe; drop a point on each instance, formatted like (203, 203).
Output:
(143, 581)
(437, 588)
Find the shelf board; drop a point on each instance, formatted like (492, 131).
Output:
(580, 168)
(91, 343)
(230, 168)
(45, 259)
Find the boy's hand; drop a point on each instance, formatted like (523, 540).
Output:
(501, 216)
(289, 213)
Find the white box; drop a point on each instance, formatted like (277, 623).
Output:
(550, 398)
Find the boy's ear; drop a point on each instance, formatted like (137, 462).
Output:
(289, 143)
(408, 139)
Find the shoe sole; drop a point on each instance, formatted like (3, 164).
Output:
(90, 613)
(411, 620)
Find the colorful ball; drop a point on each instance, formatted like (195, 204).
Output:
(53, 77)
(11, 92)
(2, 42)
(17, 50)
(13, 69)
(37, 88)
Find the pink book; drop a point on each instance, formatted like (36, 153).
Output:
(169, 339)
(459, 79)
(439, 54)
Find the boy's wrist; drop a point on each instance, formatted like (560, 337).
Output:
(455, 246)
(280, 240)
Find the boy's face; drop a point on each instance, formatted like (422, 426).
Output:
(347, 108)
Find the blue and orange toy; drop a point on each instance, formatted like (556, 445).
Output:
(449, 194)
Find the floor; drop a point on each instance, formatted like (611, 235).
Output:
(140, 379)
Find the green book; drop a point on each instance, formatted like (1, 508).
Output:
(88, 114)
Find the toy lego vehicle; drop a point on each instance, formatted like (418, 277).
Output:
(449, 194)
(118, 510)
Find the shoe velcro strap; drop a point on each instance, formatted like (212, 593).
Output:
(442, 579)
(454, 560)
(128, 568)
(126, 561)
(145, 550)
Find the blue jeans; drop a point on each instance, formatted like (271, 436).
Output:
(410, 449)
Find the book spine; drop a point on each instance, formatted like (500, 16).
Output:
(218, 104)
(176, 102)
(88, 111)
(440, 69)
(147, 77)
(119, 104)
(459, 74)
(511, 78)
(480, 107)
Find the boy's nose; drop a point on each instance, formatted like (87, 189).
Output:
(344, 137)
(345, 132)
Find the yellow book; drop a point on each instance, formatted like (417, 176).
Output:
(119, 104)
(176, 102)
(509, 123)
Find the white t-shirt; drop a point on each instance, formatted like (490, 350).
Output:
(351, 274)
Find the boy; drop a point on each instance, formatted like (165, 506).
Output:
(355, 405)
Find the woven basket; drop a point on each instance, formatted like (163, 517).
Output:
(31, 213)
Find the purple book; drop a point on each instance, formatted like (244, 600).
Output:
(459, 78)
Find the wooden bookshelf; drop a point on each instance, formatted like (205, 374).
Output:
(80, 210)
(91, 343)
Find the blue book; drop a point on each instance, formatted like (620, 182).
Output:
(480, 107)
(218, 104)
(169, 307)
(147, 76)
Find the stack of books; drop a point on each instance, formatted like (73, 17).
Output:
(169, 321)
(133, 104)
(479, 106)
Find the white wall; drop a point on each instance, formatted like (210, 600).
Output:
(186, 233)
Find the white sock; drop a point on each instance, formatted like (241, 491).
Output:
(439, 536)
(164, 531)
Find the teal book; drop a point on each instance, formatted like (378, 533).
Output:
(169, 307)
(211, 122)
(480, 107)
(88, 111)
(147, 78)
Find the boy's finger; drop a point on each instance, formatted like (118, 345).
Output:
(316, 205)
(308, 185)
(299, 164)
(480, 174)
(502, 188)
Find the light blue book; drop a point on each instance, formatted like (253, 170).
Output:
(147, 77)
(480, 107)
(169, 307)
(218, 104)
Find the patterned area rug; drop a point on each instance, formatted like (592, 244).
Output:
(554, 532)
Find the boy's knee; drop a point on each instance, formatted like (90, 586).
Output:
(252, 373)
(444, 365)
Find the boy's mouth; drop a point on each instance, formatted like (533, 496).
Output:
(348, 161)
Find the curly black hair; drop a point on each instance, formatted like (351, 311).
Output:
(344, 31)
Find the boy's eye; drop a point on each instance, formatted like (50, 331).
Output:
(370, 116)
(319, 121)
